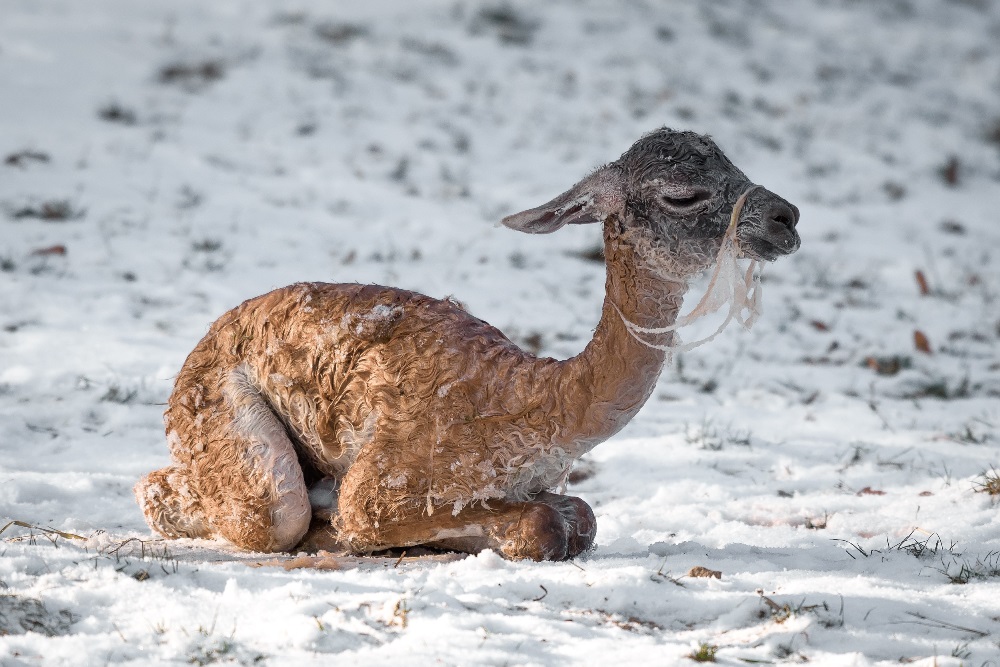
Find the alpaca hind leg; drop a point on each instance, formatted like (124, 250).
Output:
(253, 474)
(258, 501)
(244, 470)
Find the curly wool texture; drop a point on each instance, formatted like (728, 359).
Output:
(410, 402)
(402, 406)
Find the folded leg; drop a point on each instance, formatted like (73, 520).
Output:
(548, 527)
(236, 474)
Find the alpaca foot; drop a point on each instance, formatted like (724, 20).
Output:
(168, 504)
(581, 524)
(540, 533)
(322, 536)
(520, 531)
(551, 527)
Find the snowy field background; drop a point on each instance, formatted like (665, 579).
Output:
(163, 162)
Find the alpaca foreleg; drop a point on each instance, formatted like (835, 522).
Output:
(519, 530)
(549, 527)
(581, 524)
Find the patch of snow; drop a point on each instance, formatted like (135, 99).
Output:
(159, 166)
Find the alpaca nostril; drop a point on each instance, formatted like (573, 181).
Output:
(783, 214)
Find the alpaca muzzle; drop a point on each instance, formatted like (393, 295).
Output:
(765, 225)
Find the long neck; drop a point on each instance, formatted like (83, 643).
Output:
(616, 373)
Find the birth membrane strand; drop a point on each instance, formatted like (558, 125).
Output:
(741, 292)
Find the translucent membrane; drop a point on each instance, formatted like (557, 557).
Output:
(730, 284)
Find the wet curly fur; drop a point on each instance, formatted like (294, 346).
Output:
(431, 426)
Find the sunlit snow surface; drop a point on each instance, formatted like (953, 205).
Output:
(165, 161)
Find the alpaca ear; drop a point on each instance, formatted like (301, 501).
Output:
(591, 200)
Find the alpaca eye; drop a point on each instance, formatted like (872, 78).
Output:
(687, 201)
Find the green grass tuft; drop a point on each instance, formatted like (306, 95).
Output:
(705, 653)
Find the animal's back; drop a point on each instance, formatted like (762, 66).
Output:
(344, 365)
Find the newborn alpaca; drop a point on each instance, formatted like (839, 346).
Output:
(426, 425)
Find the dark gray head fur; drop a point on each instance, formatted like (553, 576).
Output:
(680, 189)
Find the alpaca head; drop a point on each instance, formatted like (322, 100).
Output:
(677, 191)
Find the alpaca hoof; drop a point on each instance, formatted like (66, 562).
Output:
(539, 534)
(581, 527)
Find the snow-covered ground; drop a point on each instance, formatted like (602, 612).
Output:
(162, 162)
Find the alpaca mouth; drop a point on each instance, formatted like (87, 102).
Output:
(770, 247)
